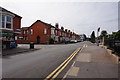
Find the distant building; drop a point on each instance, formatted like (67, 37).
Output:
(38, 32)
(10, 26)
(41, 32)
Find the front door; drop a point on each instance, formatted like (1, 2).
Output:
(38, 39)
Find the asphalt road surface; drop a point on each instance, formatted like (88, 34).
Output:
(38, 64)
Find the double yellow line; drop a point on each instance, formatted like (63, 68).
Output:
(57, 71)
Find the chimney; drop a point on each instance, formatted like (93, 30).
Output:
(57, 25)
(69, 31)
(62, 28)
(65, 30)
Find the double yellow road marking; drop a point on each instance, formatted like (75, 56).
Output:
(57, 71)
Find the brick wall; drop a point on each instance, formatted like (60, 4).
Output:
(38, 31)
(16, 23)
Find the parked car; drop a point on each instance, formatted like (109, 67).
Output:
(73, 41)
(78, 40)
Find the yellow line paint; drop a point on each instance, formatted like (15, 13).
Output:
(64, 66)
(60, 65)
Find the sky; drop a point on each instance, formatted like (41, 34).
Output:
(79, 16)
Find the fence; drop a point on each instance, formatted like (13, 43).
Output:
(114, 45)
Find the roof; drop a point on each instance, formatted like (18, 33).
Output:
(24, 28)
(5, 10)
(43, 23)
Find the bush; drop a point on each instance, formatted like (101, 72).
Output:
(51, 41)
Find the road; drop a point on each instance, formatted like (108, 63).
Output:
(38, 64)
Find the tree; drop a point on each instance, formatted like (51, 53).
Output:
(104, 33)
(103, 36)
(93, 37)
(84, 37)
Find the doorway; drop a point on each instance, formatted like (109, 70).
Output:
(38, 39)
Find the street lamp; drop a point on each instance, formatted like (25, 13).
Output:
(98, 35)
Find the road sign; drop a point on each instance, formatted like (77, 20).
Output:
(81, 37)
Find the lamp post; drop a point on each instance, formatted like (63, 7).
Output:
(98, 35)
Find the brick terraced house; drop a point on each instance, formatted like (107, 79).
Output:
(41, 33)
(10, 28)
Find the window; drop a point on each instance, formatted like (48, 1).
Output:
(31, 31)
(8, 22)
(45, 31)
(60, 33)
(8, 19)
(27, 32)
(57, 38)
(24, 31)
(65, 35)
(52, 31)
(56, 32)
(3, 21)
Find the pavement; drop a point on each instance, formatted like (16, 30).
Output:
(17, 50)
(94, 63)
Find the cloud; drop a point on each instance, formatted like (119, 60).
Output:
(81, 17)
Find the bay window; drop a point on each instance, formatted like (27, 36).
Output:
(7, 22)
(3, 21)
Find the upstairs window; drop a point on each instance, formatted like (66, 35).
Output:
(56, 32)
(9, 19)
(31, 31)
(52, 31)
(3, 21)
(60, 33)
(45, 31)
(8, 22)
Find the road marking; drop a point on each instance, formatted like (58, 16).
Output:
(71, 66)
(60, 68)
(85, 45)
(64, 65)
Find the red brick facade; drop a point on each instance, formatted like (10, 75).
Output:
(38, 32)
(16, 23)
(41, 32)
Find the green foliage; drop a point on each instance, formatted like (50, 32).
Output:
(84, 37)
(115, 35)
(104, 33)
(51, 41)
(93, 37)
